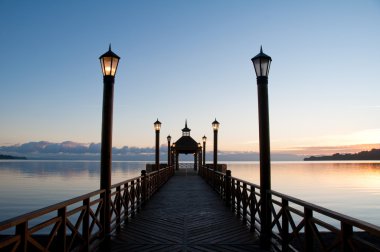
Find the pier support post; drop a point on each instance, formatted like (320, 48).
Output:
(261, 63)
(169, 138)
(199, 161)
(265, 169)
(109, 62)
(347, 232)
(157, 127)
(215, 126)
(204, 139)
(309, 241)
(106, 150)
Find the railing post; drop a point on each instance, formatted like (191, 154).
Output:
(138, 194)
(238, 199)
(214, 179)
(143, 187)
(211, 177)
(347, 231)
(22, 231)
(132, 195)
(118, 208)
(102, 215)
(86, 224)
(126, 201)
(61, 235)
(105, 216)
(285, 226)
(159, 179)
(253, 208)
(309, 243)
(244, 201)
(233, 194)
(227, 187)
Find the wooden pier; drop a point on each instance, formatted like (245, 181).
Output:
(185, 215)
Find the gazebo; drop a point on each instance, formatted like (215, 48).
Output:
(186, 145)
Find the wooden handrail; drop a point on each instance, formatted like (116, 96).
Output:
(243, 198)
(31, 215)
(83, 221)
(330, 213)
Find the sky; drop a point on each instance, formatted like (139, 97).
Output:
(192, 60)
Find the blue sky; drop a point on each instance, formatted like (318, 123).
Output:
(191, 60)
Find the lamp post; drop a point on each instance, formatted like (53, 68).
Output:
(204, 138)
(169, 138)
(261, 63)
(109, 62)
(215, 126)
(157, 127)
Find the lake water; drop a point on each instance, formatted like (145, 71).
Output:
(352, 188)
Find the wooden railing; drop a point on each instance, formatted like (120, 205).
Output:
(74, 225)
(296, 225)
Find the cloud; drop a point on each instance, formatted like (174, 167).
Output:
(73, 150)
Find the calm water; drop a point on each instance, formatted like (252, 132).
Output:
(352, 188)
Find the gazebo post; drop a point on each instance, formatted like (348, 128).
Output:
(176, 161)
(195, 160)
(199, 158)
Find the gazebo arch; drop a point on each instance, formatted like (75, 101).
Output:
(186, 145)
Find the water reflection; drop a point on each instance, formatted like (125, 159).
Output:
(29, 185)
(351, 188)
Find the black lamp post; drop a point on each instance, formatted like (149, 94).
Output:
(157, 127)
(262, 62)
(204, 139)
(169, 138)
(108, 62)
(215, 126)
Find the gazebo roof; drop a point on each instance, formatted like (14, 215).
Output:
(186, 145)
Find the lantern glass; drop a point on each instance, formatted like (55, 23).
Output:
(109, 66)
(215, 125)
(204, 138)
(261, 63)
(262, 66)
(169, 138)
(157, 125)
(109, 62)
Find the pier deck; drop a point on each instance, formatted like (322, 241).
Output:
(185, 215)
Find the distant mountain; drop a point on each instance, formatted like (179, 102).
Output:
(373, 154)
(80, 151)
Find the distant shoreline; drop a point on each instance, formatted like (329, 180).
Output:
(371, 155)
(9, 157)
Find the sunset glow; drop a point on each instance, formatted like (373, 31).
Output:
(175, 67)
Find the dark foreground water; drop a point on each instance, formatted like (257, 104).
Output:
(352, 188)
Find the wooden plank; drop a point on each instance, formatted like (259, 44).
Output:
(185, 215)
